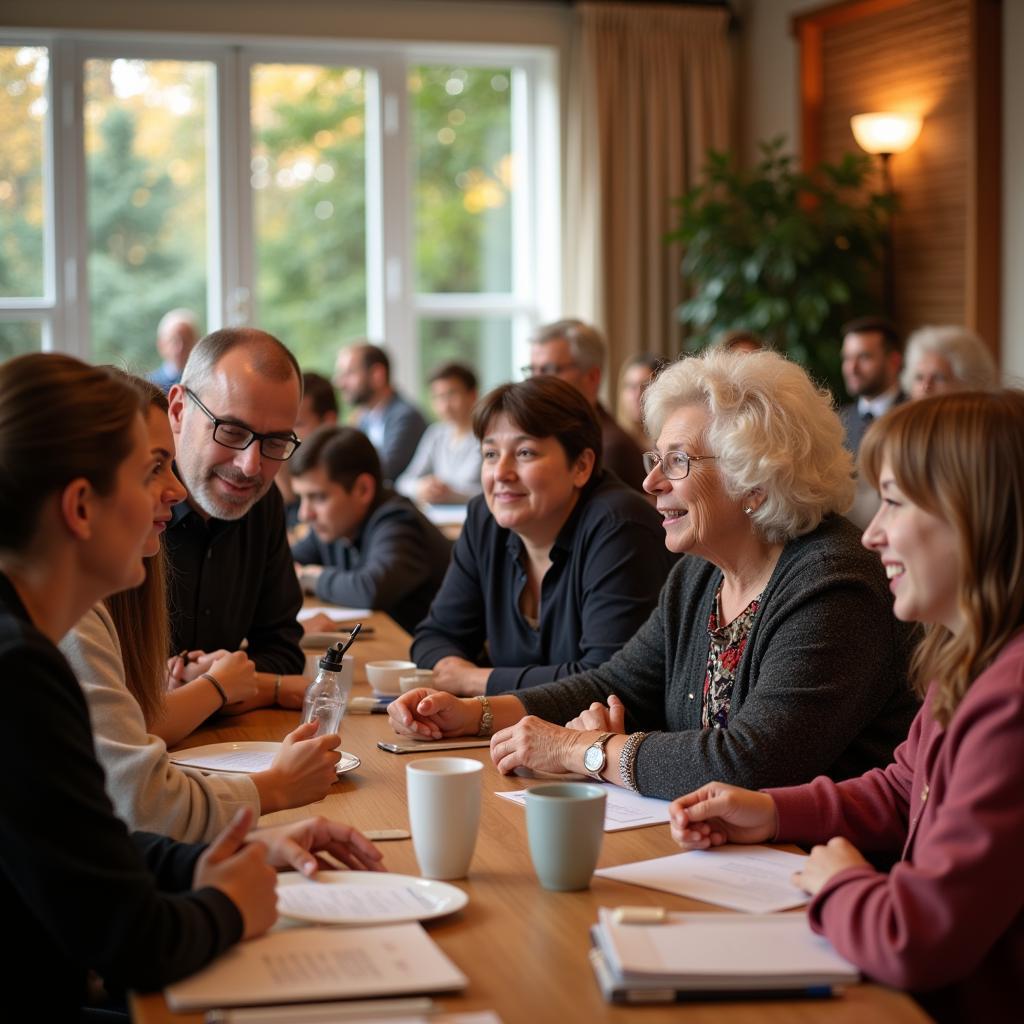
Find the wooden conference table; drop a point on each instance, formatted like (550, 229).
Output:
(523, 949)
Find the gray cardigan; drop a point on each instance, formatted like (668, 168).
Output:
(821, 689)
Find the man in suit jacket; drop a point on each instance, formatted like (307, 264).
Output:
(871, 361)
(363, 375)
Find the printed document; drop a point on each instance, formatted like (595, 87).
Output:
(755, 879)
(310, 964)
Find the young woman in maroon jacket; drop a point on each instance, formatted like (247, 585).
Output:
(947, 922)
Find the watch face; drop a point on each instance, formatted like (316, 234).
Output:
(593, 759)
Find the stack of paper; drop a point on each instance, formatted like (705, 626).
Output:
(310, 964)
(714, 954)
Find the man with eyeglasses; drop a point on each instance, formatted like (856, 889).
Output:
(575, 352)
(231, 579)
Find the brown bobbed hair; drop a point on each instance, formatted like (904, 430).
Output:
(140, 615)
(544, 407)
(60, 419)
(961, 457)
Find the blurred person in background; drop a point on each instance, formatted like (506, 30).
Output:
(636, 374)
(949, 358)
(176, 336)
(446, 466)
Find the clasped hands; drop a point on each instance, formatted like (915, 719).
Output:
(529, 742)
(718, 813)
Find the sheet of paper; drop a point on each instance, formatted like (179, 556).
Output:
(445, 515)
(309, 964)
(349, 901)
(228, 761)
(622, 809)
(334, 611)
(755, 879)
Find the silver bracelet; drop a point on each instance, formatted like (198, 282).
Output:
(486, 718)
(627, 759)
(217, 687)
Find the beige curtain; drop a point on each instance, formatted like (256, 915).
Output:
(651, 89)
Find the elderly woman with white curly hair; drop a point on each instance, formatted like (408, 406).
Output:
(772, 656)
(942, 359)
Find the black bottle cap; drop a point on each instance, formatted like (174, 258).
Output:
(332, 659)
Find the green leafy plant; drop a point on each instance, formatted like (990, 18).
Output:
(786, 254)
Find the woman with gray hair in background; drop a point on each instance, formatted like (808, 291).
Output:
(773, 653)
(942, 359)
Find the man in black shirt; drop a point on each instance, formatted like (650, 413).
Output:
(231, 575)
(367, 546)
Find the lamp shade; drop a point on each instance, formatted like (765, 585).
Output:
(885, 132)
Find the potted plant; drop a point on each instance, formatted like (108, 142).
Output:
(786, 254)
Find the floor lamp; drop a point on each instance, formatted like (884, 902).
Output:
(884, 134)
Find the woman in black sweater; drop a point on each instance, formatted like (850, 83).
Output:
(78, 892)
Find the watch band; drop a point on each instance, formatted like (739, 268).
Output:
(486, 717)
(601, 742)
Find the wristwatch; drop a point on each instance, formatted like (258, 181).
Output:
(596, 757)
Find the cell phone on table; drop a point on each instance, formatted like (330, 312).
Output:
(422, 746)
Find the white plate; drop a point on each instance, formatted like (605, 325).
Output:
(244, 757)
(365, 897)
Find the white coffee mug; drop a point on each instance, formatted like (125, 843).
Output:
(444, 813)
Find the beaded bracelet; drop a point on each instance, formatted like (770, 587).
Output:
(627, 759)
(486, 717)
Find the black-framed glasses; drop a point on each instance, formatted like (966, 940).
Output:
(278, 447)
(547, 369)
(674, 465)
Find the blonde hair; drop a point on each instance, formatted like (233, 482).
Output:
(972, 364)
(960, 457)
(771, 429)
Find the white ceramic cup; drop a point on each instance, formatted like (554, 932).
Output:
(443, 795)
(383, 676)
(414, 678)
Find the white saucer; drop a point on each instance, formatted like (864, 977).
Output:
(244, 757)
(365, 897)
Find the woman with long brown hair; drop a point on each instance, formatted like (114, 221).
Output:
(947, 921)
(135, 717)
(78, 892)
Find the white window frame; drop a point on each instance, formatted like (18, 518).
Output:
(393, 308)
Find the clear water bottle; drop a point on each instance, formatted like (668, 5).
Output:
(327, 696)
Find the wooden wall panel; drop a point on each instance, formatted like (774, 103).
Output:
(932, 58)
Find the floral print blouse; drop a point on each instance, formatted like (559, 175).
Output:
(724, 654)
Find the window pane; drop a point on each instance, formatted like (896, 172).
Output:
(484, 345)
(463, 178)
(308, 180)
(145, 152)
(18, 337)
(23, 111)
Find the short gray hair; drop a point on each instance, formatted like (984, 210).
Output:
(972, 363)
(772, 429)
(586, 342)
(270, 357)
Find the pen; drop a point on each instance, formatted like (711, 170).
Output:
(326, 1013)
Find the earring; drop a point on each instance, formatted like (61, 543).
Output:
(748, 511)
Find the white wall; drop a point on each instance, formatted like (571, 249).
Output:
(769, 94)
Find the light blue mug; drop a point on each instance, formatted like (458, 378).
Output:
(565, 825)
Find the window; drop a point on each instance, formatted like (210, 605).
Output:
(321, 191)
(146, 126)
(25, 214)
